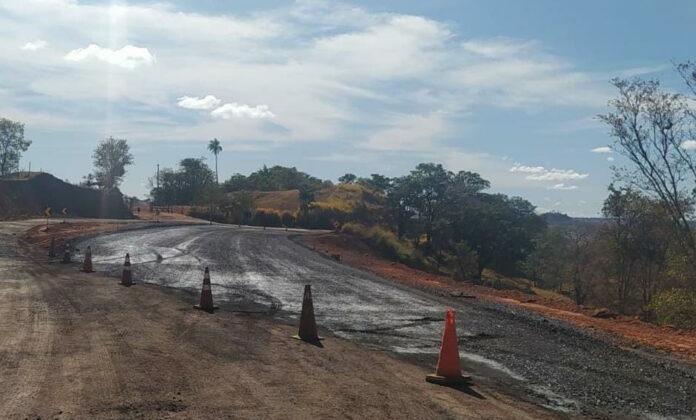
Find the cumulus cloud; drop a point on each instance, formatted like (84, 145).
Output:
(602, 149)
(689, 145)
(562, 186)
(35, 45)
(610, 159)
(194, 102)
(539, 173)
(128, 57)
(235, 110)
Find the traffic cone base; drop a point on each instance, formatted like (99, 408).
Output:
(445, 380)
(211, 309)
(449, 371)
(308, 340)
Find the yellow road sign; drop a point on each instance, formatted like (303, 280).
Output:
(47, 212)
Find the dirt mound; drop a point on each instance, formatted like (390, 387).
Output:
(28, 197)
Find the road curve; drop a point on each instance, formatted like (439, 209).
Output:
(539, 359)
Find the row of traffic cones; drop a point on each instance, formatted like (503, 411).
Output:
(87, 267)
(447, 372)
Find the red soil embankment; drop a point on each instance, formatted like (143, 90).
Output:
(353, 251)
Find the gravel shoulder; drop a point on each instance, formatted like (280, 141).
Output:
(79, 346)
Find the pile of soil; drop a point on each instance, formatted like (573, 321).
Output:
(29, 196)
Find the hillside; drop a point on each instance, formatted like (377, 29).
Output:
(28, 196)
(344, 197)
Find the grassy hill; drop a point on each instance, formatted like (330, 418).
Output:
(343, 197)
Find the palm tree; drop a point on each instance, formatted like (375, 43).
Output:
(215, 148)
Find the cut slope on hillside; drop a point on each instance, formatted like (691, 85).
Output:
(28, 197)
(355, 252)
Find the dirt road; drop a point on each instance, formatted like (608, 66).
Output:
(79, 346)
(521, 353)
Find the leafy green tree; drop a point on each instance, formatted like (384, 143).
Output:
(196, 180)
(306, 198)
(500, 230)
(376, 182)
(239, 206)
(193, 183)
(237, 182)
(637, 243)
(110, 160)
(547, 264)
(276, 178)
(12, 145)
(399, 198)
(429, 183)
(347, 178)
(215, 148)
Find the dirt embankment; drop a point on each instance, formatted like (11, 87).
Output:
(80, 346)
(28, 197)
(681, 343)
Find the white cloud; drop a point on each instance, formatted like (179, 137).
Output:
(602, 149)
(34, 45)
(539, 173)
(499, 47)
(194, 102)
(563, 186)
(610, 159)
(689, 145)
(235, 110)
(128, 57)
(408, 133)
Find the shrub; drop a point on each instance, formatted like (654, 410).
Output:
(321, 218)
(386, 243)
(288, 219)
(676, 307)
(267, 218)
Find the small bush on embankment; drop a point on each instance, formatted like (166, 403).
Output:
(675, 307)
(386, 244)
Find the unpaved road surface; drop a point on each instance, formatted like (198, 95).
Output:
(518, 352)
(80, 346)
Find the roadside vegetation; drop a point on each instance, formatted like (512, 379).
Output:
(639, 260)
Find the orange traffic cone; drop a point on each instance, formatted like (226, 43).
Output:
(52, 249)
(206, 303)
(308, 325)
(127, 276)
(87, 263)
(448, 371)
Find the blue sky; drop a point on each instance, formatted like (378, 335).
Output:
(509, 89)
